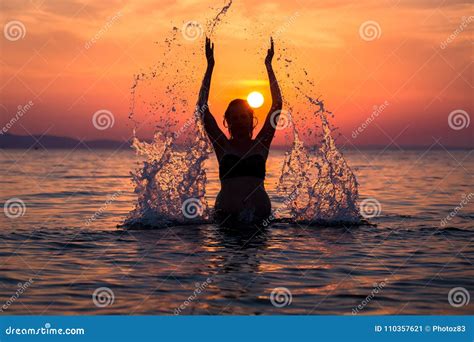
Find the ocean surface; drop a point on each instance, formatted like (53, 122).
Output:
(62, 253)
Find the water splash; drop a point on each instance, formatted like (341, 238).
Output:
(314, 168)
(213, 23)
(171, 177)
(326, 187)
(171, 183)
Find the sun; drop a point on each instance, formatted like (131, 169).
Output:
(255, 99)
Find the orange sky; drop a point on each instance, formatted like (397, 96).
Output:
(413, 64)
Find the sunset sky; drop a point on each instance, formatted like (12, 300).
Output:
(419, 62)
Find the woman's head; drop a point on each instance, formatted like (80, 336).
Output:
(239, 119)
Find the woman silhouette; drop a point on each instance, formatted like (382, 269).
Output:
(241, 159)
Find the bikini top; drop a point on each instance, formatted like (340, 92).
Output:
(231, 166)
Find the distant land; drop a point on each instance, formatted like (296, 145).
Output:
(55, 142)
(13, 141)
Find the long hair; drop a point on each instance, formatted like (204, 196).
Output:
(240, 105)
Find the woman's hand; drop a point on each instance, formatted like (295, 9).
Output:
(206, 82)
(209, 52)
(270, 53)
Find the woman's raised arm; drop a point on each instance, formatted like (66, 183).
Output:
(268, 130)
(215, 134)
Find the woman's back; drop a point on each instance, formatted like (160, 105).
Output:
(243, 196)
(241, 158)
